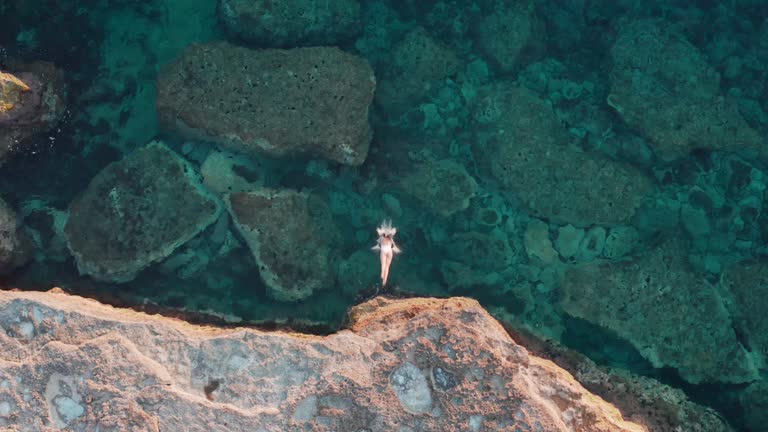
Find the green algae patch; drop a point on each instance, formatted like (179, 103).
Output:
(137, 211)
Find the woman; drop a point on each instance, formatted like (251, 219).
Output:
(386, 247)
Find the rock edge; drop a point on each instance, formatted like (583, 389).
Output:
(426, 364)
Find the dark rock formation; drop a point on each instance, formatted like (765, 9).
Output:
(15, 246)
(31, 102)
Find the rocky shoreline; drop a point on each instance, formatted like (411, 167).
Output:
(409, 364)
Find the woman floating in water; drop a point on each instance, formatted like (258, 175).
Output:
(386, 247)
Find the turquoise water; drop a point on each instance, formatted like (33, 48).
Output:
(591, 171)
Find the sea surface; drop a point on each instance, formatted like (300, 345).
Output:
(591, 171)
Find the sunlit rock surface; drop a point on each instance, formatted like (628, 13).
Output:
(419, 365)
(137, 211)
(302, 101)
(31, 102)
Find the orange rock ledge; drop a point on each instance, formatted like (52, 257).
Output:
(418, 364)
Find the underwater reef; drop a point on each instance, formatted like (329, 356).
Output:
(593, 173)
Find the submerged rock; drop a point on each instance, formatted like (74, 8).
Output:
(415, 65)
(292, 238)
(481, 251)
(754, 403)
(15, 246)
(663, 86)
(538, 244)
(510, 34)
(417, 364)
(460, 275)
(358, 272)
(747, 285)
(137, 211)
(225, 172)
(530, 157)
(669, 313)
(444, 186)
(290, 23)
(44, 224)
(31, 102)
(302, 101)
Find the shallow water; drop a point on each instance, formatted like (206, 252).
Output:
(526, 155)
